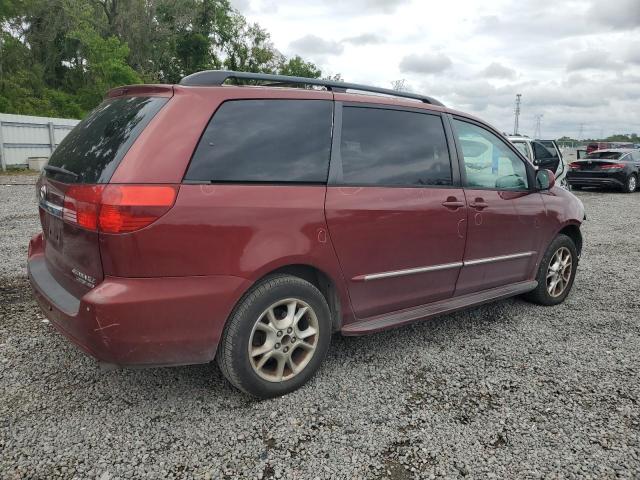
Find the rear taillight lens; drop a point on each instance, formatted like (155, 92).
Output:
(81, 205)
(611, 166)
(574, 165)
(126, 208)
(117, 208)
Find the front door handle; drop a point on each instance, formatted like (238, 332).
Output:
(479, 204)
(452, 203)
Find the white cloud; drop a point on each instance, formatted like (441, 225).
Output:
(575, 61)
(313, 45)
(592, 60)
(497, 70)
(425, 63)
(618, 14)
(365, 39)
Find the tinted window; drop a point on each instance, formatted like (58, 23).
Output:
(265, 141)
(550, 144)
(604, 155)
(95, 147)
(541, 152)
(488, 161)
(392, 147)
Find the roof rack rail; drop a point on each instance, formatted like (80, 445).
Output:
(218, 77)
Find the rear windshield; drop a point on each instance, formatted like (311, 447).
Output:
(95, 147)
(607, 155)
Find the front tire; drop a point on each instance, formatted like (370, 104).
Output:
(631, 184)
(276, 337)
(556, 272)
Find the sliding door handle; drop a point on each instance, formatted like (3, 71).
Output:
(479, 204)
(452, 204)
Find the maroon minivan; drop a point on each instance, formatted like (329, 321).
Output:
(187, 222)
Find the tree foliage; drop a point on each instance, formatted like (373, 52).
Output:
(59, 57)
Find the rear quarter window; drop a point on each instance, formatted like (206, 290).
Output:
(94, 148)
(272, 141)
(381, 147)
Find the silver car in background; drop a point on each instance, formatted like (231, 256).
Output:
(543, 154)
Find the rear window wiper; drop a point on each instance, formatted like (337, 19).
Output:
(51, 168)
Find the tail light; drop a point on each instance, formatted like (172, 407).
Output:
(117, 208)
(574, 165)
(611, 166)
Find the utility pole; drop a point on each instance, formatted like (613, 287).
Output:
(580, 131)
(538, 133)
(517, 114)
(399, 85)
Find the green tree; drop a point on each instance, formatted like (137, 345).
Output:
(297, 67)
(103, 66)
(59, 57)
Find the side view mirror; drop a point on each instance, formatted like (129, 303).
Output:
(545, 179)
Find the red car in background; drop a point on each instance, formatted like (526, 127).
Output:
(181, 223)
(592, 147)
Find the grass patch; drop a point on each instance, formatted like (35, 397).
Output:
(19, 171)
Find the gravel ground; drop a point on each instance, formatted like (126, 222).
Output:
(508, 390)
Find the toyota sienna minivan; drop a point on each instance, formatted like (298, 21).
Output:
(248, 223)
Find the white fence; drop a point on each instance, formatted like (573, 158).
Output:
(24, 136)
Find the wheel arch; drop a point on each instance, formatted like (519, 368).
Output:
(572, 230)
(319, 279)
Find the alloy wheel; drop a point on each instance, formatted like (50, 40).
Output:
(283, 340)
(632, 183)
(559, 272)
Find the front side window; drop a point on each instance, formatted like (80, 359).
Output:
(488, 162)
(265, 141)
(393, 148)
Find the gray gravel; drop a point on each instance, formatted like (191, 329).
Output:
(18, 222)
(506, 390)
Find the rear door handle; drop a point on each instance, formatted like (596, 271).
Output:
(479, 204)
(452, 203)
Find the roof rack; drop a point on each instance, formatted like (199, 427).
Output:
(218, 77)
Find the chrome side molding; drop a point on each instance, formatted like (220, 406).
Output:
(410, 271)
(481, 261)
(443, 266)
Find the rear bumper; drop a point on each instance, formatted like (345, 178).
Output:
(139, 321)
(616, 180)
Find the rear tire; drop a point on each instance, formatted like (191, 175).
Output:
(276, 337)
(556, 272)
(631, 184)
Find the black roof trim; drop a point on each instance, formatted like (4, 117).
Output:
(218, 77)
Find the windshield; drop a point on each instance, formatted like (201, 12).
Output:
(522, 148)
(95, 147)
(604, 155)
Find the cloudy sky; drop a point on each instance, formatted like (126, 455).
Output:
(574, 62)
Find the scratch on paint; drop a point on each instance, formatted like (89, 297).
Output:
(106, 326)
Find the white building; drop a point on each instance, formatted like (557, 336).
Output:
(24, 136)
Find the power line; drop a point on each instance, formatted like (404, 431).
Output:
(538, 133)
(517, 114)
